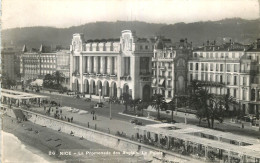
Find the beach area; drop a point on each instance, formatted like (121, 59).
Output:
(28, 142)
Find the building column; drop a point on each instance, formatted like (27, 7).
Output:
(95, 64)
(102, 65)
(115, 65)
(256, 94)
(90, 64)
(112, 66)
(109, 64)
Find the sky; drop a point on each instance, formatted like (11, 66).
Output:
(66, 13)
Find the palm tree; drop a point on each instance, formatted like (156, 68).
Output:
(158, 101)
(59, 77)
(126, 98)
(172, 105)
(134, 103)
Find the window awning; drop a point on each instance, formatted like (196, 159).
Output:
(161, 81)
(154, 81)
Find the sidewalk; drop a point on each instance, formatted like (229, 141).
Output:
(102, 123)
(247, 125)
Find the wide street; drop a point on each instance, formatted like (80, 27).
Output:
(117, 108)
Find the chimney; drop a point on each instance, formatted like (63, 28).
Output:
(207, 42)
(214, 42)
(230, 41)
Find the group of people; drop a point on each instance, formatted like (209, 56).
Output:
(57, 114)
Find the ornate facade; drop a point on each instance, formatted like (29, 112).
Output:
(231, 69)
(112, 67)
(169, 65)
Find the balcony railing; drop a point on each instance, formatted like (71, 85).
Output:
(125, 78)
(76, 73)
(145, 74)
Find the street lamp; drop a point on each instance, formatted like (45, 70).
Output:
(110, 108)
(99, 95)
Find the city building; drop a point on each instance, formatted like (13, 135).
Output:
(63, 65)
(10, 62)
(112, 67)
(35, 64)
(231, 68)
(169, 67)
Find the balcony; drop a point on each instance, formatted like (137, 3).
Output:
(113, 76)
(75, 73)
(146, 79)
(162, 68)
(125, 78)
(92, 74)
(145, 74)
(86, 74)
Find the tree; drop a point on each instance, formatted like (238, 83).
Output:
(48, 81)
(58, 77)
(158, 101)
(134, 103)
(172, 106)
(7, 82)
(126, 99)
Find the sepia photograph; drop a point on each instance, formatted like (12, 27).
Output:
(130, 81)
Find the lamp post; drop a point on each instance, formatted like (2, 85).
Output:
(110, 108)
(99, 95)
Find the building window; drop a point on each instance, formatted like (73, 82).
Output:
(197, 66)
(244, 94)
(211, 77)
(221, 79)
(244, 81)
(202, 66)
(221, 67)
(206, 67)
(228, 67)
(191, 66)
(202, 77)
(169, 93)
(217, 67)
(141, 47)
(146, 47)
(235, 68)
(235, 93)
(228, 91)
(228, 79)
(211, 67)
(235, 80)
(206, 76)
(191, 77)
(211, 55)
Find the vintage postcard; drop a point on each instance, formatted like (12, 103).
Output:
(125, 81)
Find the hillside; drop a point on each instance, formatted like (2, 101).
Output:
(238, 29)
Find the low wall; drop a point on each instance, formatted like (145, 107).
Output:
(108, 140)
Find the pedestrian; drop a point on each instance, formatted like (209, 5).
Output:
(65, 117)
(95, 117)
(71, 119)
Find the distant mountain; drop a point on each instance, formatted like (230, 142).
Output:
(240, 30)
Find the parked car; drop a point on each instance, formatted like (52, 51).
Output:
(88, 99)
(135, 121)
(99, 105)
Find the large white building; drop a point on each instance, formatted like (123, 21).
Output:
(231, 69)
(112, 67)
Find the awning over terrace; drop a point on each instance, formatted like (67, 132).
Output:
(184, 132)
